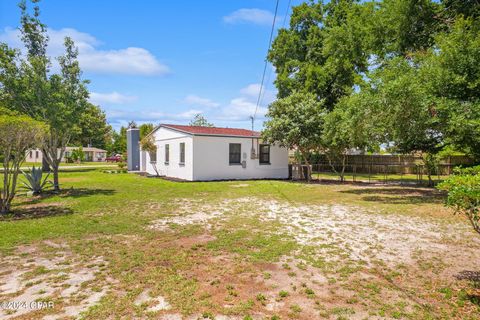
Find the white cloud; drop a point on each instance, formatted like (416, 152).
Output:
(242, 107)
(110, 98)
(131, 60)
(199, 101)
(252, 90)
(255, 16)
(118, 116)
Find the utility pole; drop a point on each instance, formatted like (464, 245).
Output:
(252, 151)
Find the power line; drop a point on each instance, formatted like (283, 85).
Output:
(266, 61)
(271, 69)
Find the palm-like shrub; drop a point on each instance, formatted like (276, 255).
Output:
(35, 181)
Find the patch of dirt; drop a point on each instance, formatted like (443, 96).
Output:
(52, 274)
(352, 263)
(188, 242)
(154, 304)
(344, 231)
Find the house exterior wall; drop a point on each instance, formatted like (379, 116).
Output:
(211, 160)
(174, 168)
(34, 156)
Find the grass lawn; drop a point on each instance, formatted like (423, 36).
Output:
(121, 246)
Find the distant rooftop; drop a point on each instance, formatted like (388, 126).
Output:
(212, 131)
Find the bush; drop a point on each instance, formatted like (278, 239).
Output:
(78, 155)
(467, 171)
(464, 194)
(35, 181)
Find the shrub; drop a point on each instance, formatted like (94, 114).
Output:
(18, 135)
(464, 194)
(35, 181)
(78, 155)
(122, 165)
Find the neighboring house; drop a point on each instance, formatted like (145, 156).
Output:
(91, 154)
(206, 153)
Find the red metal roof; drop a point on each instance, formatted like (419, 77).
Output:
(213, 131)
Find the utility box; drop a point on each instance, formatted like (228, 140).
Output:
(133, 149)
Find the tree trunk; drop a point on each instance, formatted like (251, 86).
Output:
(56, 184)
(309, 173)
(4, 207)
(342, 173)
(45, 165)
(474, 222)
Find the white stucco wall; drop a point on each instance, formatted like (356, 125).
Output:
(211, 160)
(207, 158)
(173, 169)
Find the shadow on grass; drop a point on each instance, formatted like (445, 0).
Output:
(83, 192)
(73, 169)
(474, 277)
(70, 193)
(399, 195)
(36, 212)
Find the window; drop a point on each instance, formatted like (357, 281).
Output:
(36, 154)
(167, 153)
(182, 152)
(264, 155)
(31, 153)
(235, 153)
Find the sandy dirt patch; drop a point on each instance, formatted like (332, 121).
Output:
(362, 235)
(52, 274)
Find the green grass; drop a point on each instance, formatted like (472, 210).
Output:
(379, 178)
(107, 215)
(101, 203)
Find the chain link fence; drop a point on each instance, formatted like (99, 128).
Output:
(385, 173)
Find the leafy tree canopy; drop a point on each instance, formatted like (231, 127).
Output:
(200, 121)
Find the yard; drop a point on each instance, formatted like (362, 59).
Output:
(125, 246)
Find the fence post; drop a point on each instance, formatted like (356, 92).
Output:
(385, 174)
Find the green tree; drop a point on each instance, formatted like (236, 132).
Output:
(324, 51)
(403, 27)
(145, 129)
(200, 121)
(353, 124)
(451, 73)
(93, 128)
(19, 134)
(59, 100)
(295, 122)
(119, 145)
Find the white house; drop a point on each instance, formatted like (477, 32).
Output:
(91, 154)
(196, 153)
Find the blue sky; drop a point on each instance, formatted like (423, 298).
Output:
(164, 61)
